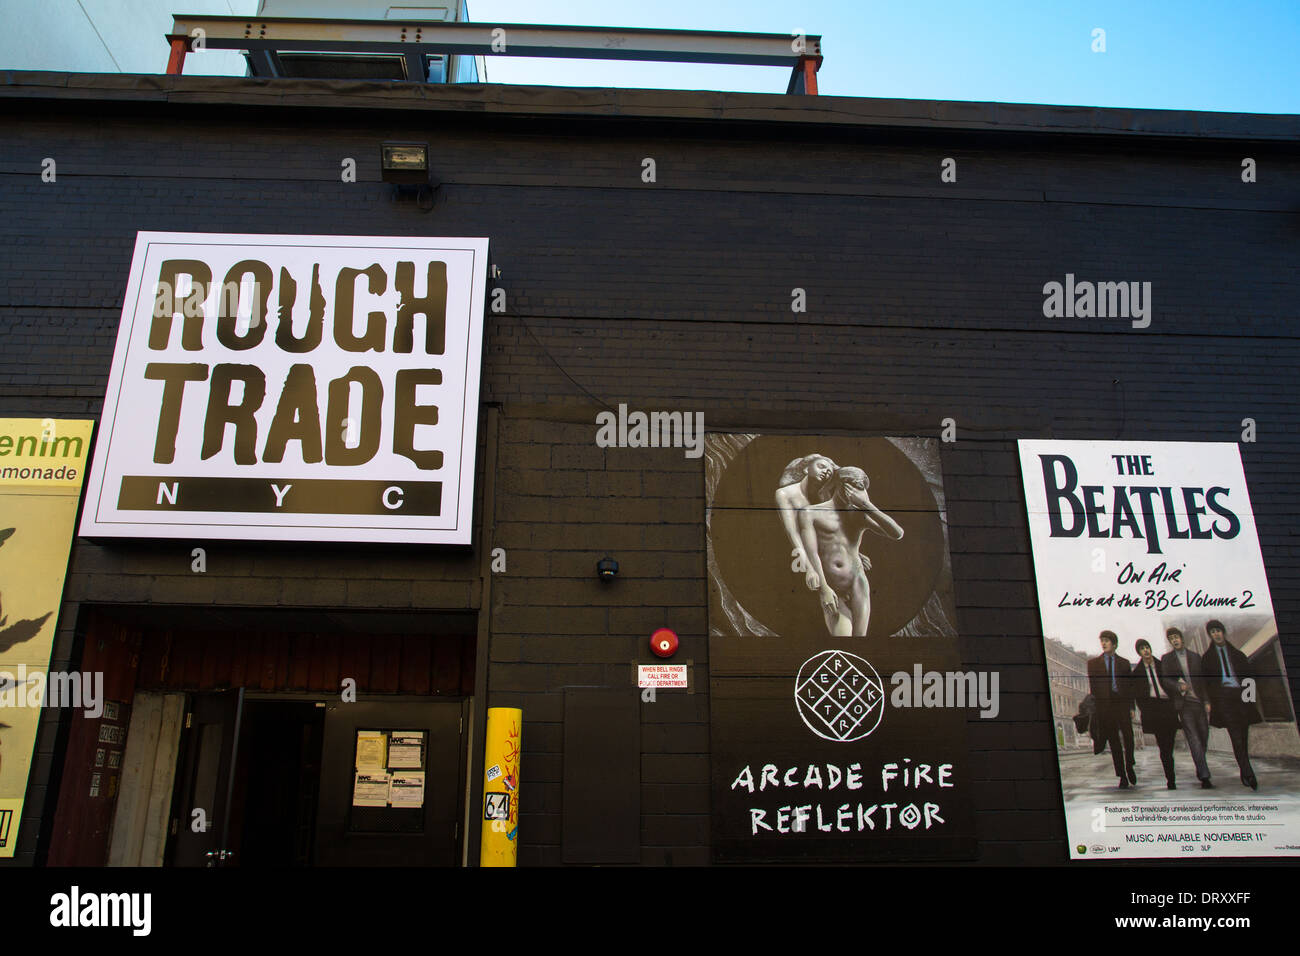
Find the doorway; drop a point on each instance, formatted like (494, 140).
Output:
(254, 758)
(285, 781)
(277, 782)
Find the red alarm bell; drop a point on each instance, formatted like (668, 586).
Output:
(663, 642)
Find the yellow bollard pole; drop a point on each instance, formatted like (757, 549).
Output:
(500, 842)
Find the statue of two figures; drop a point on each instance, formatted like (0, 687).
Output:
(826, 510)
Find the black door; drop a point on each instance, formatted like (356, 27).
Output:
(202, 796)
(351, 833)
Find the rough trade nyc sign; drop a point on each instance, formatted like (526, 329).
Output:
(301, 388)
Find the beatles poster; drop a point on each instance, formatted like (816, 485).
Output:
(1175, 730)
(42, 465)
(838, 705)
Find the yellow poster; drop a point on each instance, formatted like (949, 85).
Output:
(42, 464)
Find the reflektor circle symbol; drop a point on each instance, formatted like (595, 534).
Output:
(839, 696)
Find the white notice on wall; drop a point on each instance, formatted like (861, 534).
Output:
(661, 675)
(407, 789)
(404, 749)
(370, 789)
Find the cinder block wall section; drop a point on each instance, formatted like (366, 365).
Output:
(562, 504)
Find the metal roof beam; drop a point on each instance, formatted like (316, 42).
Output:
(483, 39)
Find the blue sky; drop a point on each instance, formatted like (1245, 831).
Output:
(1239, 56)
(1160, 54)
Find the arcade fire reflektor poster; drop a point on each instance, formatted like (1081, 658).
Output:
(838, 707)
(1175, 730)
(42, 465)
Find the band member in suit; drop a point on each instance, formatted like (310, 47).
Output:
(1225, 669)
(1185, 684)
(1109, 681)
(1156, 705)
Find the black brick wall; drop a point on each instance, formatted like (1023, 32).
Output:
(923, 302)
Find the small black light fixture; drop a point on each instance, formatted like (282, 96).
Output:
(405, 163)
(607, 568)
(406, 166)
